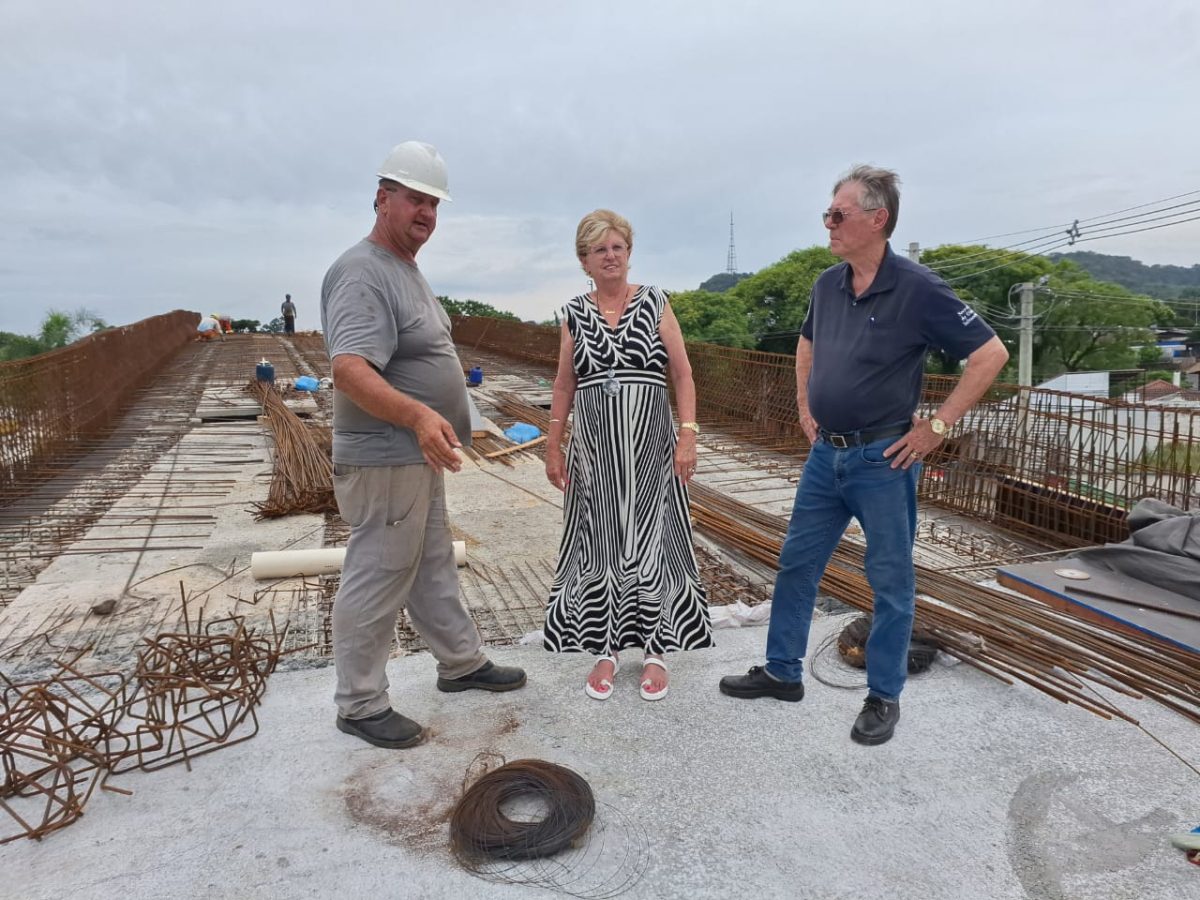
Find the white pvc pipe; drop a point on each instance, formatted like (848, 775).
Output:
(324, 561)
(287, 563)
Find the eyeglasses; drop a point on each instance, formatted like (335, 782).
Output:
(604, 249)
(838, 216)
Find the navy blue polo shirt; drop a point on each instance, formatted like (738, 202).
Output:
(869, 351)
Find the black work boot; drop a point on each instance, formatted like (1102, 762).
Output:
(757, 683)
(386, 729)
(488, 677)
(876, 722)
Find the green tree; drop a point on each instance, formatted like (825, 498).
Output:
(713, 318)
(474, 308)
(57, 328)
(776, 298)
(1079, 323)
(19, 346)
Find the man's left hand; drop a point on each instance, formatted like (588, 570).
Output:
(913, 446)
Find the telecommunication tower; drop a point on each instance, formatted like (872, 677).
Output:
(731, 260)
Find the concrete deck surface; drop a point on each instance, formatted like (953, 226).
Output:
(987, 791)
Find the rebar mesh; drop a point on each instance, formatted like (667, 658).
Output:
(51, 400)
(1063, 468)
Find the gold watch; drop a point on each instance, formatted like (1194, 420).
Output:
(690, 426)
(937, 426)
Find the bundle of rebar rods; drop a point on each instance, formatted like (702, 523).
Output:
(1004, 635)
(302, 480)
(1007, 636)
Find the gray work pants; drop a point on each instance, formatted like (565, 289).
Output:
(400, 556)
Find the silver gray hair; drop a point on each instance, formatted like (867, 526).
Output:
(880, 190)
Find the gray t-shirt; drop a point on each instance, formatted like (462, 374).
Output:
(375, 305)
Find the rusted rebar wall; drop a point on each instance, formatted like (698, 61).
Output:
(519, 339)
(51, 400)
(1062, 468)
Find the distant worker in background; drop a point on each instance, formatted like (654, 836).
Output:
(209, 328)
(400, 413)
(289, 314)
(872, 320)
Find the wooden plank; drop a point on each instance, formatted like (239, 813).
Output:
(515, 447)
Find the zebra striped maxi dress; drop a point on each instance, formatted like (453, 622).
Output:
(627, 574)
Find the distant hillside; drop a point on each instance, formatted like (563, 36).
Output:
(1162, 282)
(722, 282)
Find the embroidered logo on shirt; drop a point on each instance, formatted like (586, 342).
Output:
(967, 315)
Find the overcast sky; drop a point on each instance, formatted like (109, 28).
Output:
(214, 156)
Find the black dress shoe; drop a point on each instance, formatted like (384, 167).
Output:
(757, 683)
(488, 677)
(876, 722)
(386, 729)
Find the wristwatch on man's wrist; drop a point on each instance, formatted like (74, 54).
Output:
(690, 426)
(937, 425)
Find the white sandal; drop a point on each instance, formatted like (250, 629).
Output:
(646, 682)
(606, 685)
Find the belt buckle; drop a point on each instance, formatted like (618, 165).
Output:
(838, 441)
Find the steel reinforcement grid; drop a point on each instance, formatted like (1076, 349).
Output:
(51, 401)
(1059, 467)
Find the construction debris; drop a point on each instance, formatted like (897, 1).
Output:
(189, 694)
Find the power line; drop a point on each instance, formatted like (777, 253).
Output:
(1106, 222)
(1081, 221)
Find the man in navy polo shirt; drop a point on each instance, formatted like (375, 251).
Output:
(859, 365)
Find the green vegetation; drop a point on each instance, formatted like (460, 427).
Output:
(1176, 456)
(474, 308)
(1161, 282)
(58, 329)
(1081, 323)
(723, 281)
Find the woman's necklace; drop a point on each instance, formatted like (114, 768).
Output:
(624, 301)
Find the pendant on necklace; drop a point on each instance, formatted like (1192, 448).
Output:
(611, 387)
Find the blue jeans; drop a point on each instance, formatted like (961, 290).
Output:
(836, 485)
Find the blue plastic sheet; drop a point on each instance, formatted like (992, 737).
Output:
(307, 383)
(522, 432)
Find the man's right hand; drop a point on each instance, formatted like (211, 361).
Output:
(438, 442)
(807, 422)
(556, 467)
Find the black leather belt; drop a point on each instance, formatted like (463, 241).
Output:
(844, 439)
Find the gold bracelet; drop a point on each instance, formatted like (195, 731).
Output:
(690, 426)
(555, 420)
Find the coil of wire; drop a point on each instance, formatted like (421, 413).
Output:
(481, 830)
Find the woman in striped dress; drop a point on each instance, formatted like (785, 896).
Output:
(627, 574)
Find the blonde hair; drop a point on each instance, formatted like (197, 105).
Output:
(595, 225)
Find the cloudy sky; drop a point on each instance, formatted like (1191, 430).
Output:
(213, 156)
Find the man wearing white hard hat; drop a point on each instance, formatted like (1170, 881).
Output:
(400, 415)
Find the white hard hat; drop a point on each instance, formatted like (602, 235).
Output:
(419, 166)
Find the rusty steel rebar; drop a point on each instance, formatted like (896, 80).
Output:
(189, 694)
(1005, 635)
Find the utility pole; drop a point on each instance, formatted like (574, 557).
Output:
(1024, 367)
(914, 251)
(1025, 351)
